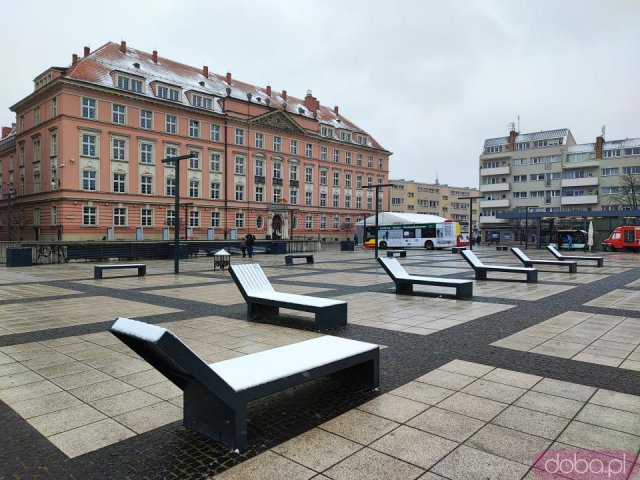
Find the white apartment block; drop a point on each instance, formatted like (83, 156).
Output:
(548, 172)
(407, 196)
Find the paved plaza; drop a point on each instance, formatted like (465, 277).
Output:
(469, 389)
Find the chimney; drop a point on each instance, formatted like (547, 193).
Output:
(87, 51)
(205, 71)
(268, 90)
(154, 56)
(599, 145)
(512, 140)
(309, 101)
(74, 59)
(6, 131)
(336, 110)
(317, 104)
(123, 46)
(284, 95)
(228, 78)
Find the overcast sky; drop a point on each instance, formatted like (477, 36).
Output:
(430, 80)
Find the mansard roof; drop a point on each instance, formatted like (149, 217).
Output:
(530, 137)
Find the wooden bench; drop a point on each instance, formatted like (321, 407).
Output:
(393, 253)
(216, 395)
(481, 269)
(530, 262)
(262, 299)
(404, 281)
(288, 259)
(563, 258)
(97, 269)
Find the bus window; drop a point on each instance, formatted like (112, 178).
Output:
(429, 231)
(409, 233)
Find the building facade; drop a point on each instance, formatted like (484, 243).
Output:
(548, 172)
(88, 144)
(407, 196)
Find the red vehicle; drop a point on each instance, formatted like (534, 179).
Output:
(626, 237)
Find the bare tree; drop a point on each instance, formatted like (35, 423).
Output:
(517, 227)
(628, 193)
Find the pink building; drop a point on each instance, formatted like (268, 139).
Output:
(85, 158)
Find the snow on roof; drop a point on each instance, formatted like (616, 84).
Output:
(98, 66)
(610, 145)
(392, 218)
(530, 137)
(581, 148)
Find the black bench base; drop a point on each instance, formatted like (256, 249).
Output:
(464, 290)
(457, 249)
(288, 259)
(97, 269)
(325, 317)
(393, 253)
(502, 248)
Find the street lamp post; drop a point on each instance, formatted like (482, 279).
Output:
(471, 199)
(526, 226)
(176, 226)
(377, 194)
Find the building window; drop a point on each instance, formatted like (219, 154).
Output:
(118, 113)
(215, 132)
(215, 190)
(120, 217)
(194, 219)
(168, 93)
(347, 158)
(89, 180)
(359, 160)
(634, 170)
(239, 165)
(119, 182)
(146, 153)
(277, 144)
(293, 197)
(171, 124)
(362, 139)
(323, 177)
(347, 201)
(53, 141)
(146, 217)
(239, 220)
(36, 116)
(146, 185)
(345, 136)
(308, 174)
(89, 216)
(369, 203)
(326, 131)
(194, 188)
(347, 180)
(37, 154)
(239, 136)
(370, 161)
(336, 155)
(88, 145)
(336, 179)
(607, 172)
(194, 128)
(323, 222)
(308, 199)
(118, 150)
(239, 192)
(358, 202)
(170, 187)
(380, 164)
(323, 199)
(171, 152)
(611, 153)
(215, 219)
(336, 201)
(126, 83)
(359, 182)
(36, 184)
(308, 222)
(215, 162)
(277, 195)
(308, 150)
(293, 147)
(170, 218)
(293, 172)
(259, 196)
(146, 119)
(259, 170)
(202, 102)
(519, 194)
(336, 222)
(54, 107)
(88, 108)
(277, 170)
(54, 215)
(632, 151)
(323, 153)
(194, 162)
(259, 140)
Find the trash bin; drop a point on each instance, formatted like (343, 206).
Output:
(19, 257)
(183, 250)
(347, 245)
(278, 247)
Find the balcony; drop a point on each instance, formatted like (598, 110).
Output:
(501, 203)
(277, 181)
(259, 179)
(581, 200)
(485, 172)
(495, 187)
(585, 164)
(580, 182)
(489, 219)
(294, 183)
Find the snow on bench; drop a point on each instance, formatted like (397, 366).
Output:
(562, 258)
(262, 299)
(530, 262)
(481, 269)
(216, 395)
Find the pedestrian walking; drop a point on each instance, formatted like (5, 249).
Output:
(243, 246)
(570, 242)
(251, 240)
(355, 239)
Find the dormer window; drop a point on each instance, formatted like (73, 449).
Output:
(129, 83)
(202, 101)
(362, 139)
(345, 136)
(326, 131)
(168, 93)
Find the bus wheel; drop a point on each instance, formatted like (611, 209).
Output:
(383, 244)
(428, 245)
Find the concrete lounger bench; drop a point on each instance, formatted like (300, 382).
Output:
(393, 253)
(530, 262)
(262, 299)
(97, 269)
(562, 258)
(500, 248)
(216, 395)
(404, 281)
(288, 259)
(481, 269)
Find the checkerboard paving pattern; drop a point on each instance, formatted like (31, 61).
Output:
(461, 421)
(603, 339)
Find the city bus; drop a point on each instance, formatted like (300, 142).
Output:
(433, 235)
